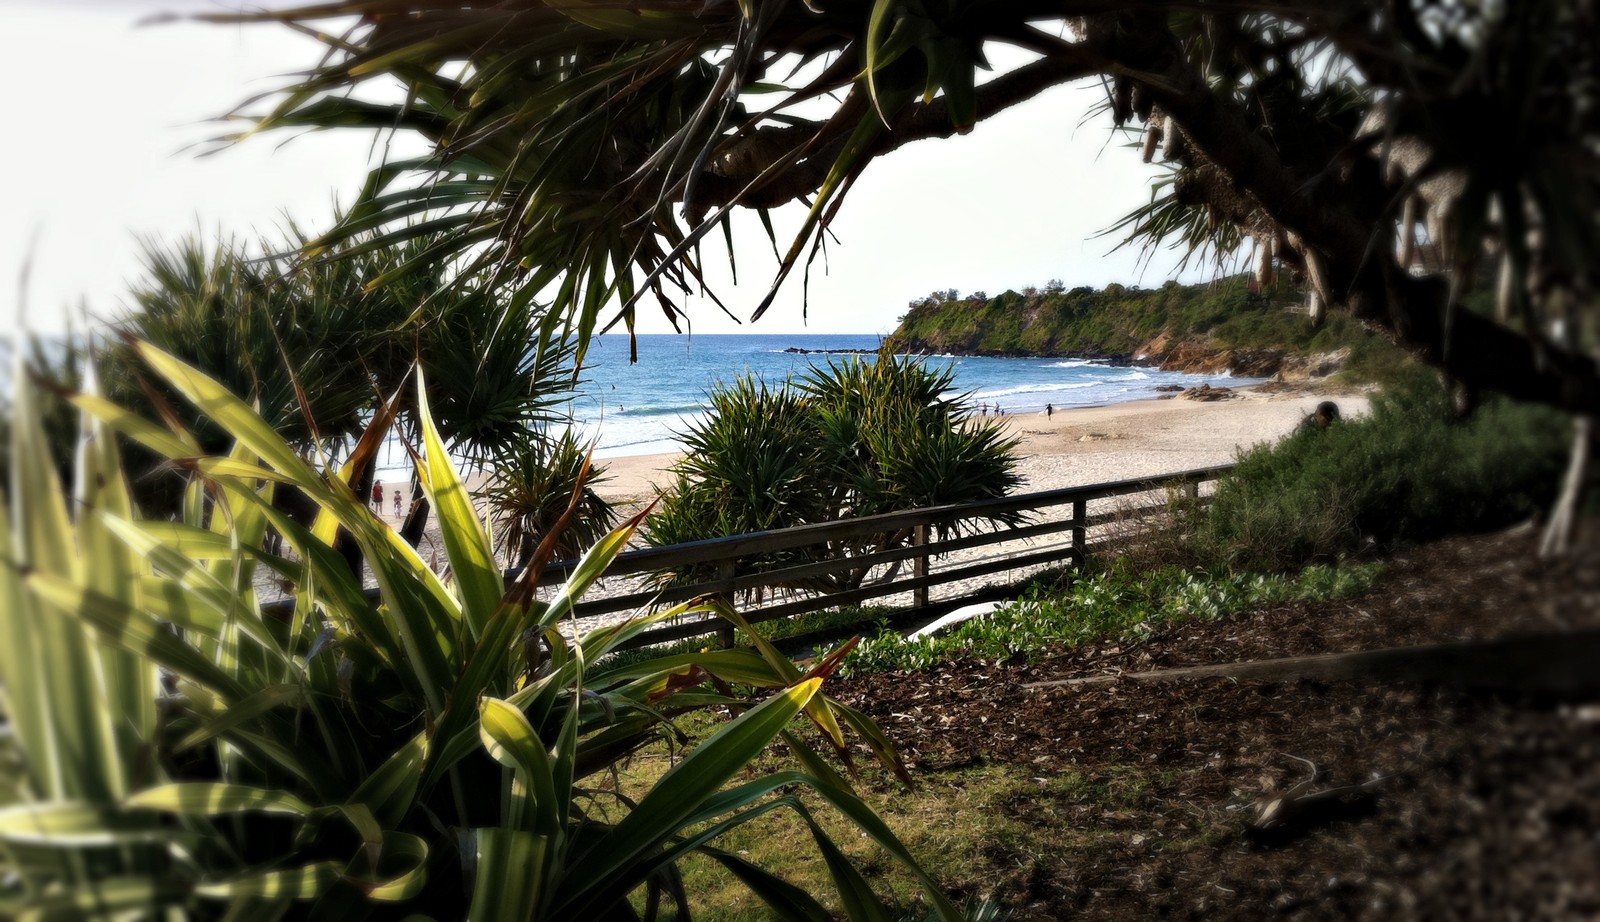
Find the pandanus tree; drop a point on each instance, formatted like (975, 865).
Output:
(589, 148)
(442, 748)
(293, 344)
(318, 345)
(854, 438)
(531, 490)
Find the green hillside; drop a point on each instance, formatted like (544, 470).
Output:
(1123, 321)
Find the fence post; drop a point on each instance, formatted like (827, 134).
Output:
(1080, 521)
(725, 629)
(919, 566)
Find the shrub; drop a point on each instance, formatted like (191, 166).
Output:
(530, 491)
(441, 751)
(317, 345)
(856, 438)
(1409, 471)
(1109, 606)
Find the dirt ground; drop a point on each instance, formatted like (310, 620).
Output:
(1476, 805)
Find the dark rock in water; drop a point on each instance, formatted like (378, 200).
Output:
(1120, 360)
(1168, 388)
(796, 350)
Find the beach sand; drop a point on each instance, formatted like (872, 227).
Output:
(1089, 444)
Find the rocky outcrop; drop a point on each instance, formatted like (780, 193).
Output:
(1205, 393)
(1196, 356)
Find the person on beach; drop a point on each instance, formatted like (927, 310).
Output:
(397, 504)
(1049, 410)
(377, 497)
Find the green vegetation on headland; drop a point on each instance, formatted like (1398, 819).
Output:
(1212, 326)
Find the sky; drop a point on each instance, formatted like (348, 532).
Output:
(106, 113)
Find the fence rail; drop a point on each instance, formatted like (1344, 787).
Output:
(925, 525)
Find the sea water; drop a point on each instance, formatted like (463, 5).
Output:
(641, 408)
(634, 409)
(638, 409)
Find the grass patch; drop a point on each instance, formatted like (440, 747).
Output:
(1111, 606)
(987, 831)
(981, 829)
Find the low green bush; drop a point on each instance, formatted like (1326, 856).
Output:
(1110, 606)
(1409, 471)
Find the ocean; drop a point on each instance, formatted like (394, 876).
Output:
(639, 409)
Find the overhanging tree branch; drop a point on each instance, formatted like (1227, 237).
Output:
(759, 150)
(1416, 312)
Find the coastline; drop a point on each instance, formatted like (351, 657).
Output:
(1084, 445)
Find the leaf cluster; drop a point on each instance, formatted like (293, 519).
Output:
(564, 146)
(437, 748)
(530, 494)
(854, 438)
(318, 346)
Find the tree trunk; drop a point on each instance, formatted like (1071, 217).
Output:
(1316, 308)
(416, 523)
(1505, 291)
(1408, 233)
(1561, 533)
(344, 544)
(1368, 281)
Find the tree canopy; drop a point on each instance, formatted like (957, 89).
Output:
(588, 148)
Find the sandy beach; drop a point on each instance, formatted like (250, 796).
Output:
(1088, 445)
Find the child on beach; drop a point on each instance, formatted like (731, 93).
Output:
(397, 504)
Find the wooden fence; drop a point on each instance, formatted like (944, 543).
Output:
(1050, 517)
(1044, 527)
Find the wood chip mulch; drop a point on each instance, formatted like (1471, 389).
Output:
(1477, 806)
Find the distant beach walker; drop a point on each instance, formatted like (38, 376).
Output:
(667, 388)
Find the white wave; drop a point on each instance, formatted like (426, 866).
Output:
(1070, 363)
(1049, 388)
